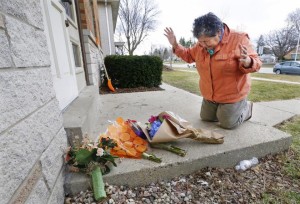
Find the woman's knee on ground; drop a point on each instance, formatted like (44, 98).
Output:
(207, 117)
(228, 123)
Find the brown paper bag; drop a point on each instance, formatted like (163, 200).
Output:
(174, 127)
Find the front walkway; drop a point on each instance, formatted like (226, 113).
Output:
(256, 137)
(274, 80)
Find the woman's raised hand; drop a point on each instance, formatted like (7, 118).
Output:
(171, 36)
(244, 59)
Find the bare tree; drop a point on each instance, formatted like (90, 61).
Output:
(284, 40)
(294, 19)
(281, 41)
(137, 19)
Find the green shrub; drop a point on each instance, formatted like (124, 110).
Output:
(134, 71)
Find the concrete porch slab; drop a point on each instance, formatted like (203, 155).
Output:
(256, 137)
(274, 112)
(80, 116)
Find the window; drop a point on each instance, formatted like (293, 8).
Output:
(294, 54)
(68, 5)
(295, 64)
(76, 54)
(92, 17)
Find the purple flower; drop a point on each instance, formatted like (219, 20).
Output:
(154, 124)
(154, 128)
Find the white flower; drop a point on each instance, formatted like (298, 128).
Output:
(95, 146)
(100, 152)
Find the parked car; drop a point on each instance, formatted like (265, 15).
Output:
(287, 67)
(268, 58)
(192, 65)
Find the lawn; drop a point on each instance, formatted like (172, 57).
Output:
(290, 168)
(260, 91)
(284, 185)
(183, 80)
(271, 91)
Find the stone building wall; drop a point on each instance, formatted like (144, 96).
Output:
(94, 58)
(32, 138)
(91, 38)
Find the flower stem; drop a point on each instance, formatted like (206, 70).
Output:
(170, 148)
(151, 157)
(98, 185)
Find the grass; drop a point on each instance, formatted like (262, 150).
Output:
(174, 62)
(291, 164)
(260, 91)
(285, 197)
(293, 78)
(184, 80)
(271, 91)
(292, 167)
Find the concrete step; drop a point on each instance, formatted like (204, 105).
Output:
(256, 137)
(243, 143)
(80, 117)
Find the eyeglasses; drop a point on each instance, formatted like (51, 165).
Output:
(207, 41)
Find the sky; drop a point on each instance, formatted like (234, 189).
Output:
(256, 17)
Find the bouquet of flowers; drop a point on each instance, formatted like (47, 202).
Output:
(152, 127)
(129, 144)
(92, 158)
(168, 126)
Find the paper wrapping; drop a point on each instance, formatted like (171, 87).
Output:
(175, 127)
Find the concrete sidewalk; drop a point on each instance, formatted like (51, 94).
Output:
(274, 80)
(256, 137)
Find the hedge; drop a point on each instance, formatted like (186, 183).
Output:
(134, 71)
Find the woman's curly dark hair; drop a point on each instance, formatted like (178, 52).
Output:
(207, 25)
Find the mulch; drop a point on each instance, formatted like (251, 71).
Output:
(105, 90)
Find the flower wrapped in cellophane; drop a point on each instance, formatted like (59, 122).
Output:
(129, 144)
(93, 158)
(168, 126)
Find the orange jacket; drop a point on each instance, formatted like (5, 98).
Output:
(222, 78)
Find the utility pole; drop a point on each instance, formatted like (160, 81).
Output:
(297, 47)
(297, 26)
